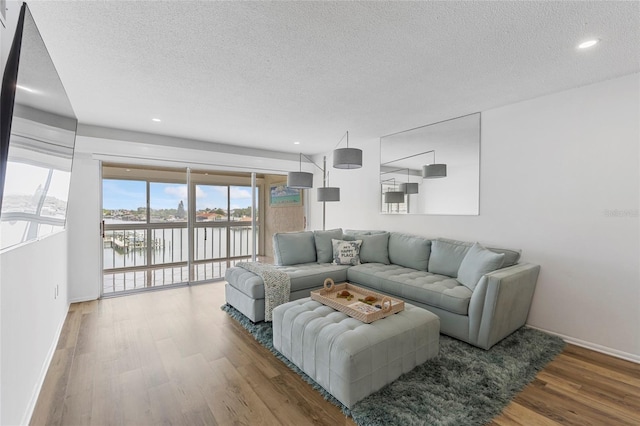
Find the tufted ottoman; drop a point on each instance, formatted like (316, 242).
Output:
(348, 358)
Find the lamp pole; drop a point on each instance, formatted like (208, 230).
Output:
(324, 184)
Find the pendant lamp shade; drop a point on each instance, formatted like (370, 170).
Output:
(409, 188)
(347, 158)
(301, 180)
(394, 197)
(329, 194)
(433, 171)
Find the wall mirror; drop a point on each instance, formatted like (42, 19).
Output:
(432, 169)
(41, 145)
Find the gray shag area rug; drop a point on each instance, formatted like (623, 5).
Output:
(463, 385)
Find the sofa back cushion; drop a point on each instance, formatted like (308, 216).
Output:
(410, 251)
(511, 256)
(352, 234)
(375, 248)
(447, 255)
(477, 262)
(324, 249)
(292, 248)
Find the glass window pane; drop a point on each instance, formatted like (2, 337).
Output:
(55, 202)
(210, 242)
(124, 201)
(211, 203)
(168, 202)
(13, 232)
(241, 241)
(170, 245)
(241, 203)
(124, 248)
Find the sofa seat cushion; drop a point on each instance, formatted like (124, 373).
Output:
(303, 276)
(412, 285)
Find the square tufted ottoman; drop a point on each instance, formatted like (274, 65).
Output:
(348, 358)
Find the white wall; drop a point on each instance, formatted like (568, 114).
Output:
(83, 228)
(559, 180)
(32, 317)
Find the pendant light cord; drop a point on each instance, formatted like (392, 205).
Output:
(342, 138)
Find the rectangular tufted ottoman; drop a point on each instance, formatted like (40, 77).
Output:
(348, 358)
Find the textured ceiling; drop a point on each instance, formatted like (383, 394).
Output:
(266, 74)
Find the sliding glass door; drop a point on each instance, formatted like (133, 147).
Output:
(222, 235)
(162, 232)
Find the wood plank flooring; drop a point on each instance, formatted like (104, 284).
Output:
(173, 357)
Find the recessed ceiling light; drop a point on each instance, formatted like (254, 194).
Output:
(157, 120)
(296, 143)
(128, 170)
(588, 43)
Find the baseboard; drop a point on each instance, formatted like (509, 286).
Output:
(43, 373)
(593, 346)
(83, 299)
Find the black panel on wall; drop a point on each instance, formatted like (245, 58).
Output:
(9, 82)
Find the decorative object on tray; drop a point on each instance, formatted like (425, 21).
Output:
(370, 306)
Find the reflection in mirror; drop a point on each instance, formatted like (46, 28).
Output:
(43, 127)
(433, 169)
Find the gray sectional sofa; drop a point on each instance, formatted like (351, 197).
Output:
(480, 294)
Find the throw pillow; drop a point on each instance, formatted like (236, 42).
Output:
(375, 248)
(477, 262)
(447, 256)
(324, 248)
(346, 252)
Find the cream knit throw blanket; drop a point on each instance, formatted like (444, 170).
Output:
(277, 285)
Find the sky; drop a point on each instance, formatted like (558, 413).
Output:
(24, 179)
(129, 195)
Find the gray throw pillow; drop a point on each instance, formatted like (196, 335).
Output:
(446, 256)
(293, 248)
(477, 262)
(324, 249)
(375, 248)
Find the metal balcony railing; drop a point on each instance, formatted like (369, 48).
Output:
(138, 256)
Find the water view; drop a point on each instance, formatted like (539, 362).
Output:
(151, 230)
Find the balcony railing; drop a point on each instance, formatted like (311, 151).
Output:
(138, 256)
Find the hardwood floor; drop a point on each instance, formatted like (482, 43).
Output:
(173, 357)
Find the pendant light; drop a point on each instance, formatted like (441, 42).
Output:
(409, 187)
(394, 196)
(433, 171)
(327, 193)
(300, 180)
(347, 158)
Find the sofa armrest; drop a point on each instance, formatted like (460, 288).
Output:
(500, 303)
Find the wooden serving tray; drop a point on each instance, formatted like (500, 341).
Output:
(353, 308)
